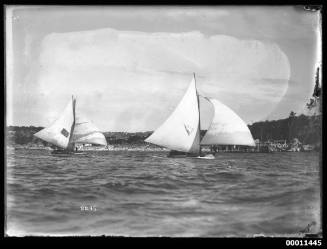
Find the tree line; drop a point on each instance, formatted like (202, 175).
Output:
(305, 128)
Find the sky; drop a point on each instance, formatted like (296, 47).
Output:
(129, 66)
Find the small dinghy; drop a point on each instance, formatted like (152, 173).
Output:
(208, 157)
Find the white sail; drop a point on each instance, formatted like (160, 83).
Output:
(181, 130)
(59, 132)
(86, 132)
(227, 128)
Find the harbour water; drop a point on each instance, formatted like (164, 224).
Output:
(135, 193)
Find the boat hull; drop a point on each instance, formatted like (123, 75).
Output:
(66, 153)
(178, 154)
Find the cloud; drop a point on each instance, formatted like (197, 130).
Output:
(177, 52)
(196, 12)
(128, 80)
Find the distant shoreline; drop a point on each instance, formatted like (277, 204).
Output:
(109, 148)
(305, 129)
(129, 148)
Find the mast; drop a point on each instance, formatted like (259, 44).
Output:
(199, 130)
(71, 145)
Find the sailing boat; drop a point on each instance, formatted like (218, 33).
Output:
(181, 131)
(70, 129)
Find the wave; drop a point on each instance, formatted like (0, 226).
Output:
(144, 193)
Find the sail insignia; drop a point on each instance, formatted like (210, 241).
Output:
(188, 129)
(64, 132)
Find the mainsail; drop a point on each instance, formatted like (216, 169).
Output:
(71, 128)
(181, 130)
(227, 128)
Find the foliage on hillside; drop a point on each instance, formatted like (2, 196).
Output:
(305, 128)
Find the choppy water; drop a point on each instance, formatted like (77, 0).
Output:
(148, 194)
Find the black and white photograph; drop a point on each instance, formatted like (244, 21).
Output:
(163, 121)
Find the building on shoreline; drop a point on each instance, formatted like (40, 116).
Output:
(264, 147)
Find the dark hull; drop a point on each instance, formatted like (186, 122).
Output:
(66, 153)
(179, 154)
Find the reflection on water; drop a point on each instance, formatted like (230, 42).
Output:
(148, 194)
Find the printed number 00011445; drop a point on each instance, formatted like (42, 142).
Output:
(311, 242)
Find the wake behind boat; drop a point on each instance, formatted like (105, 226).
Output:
(69, 130)
(208, 157)
(181, 131)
